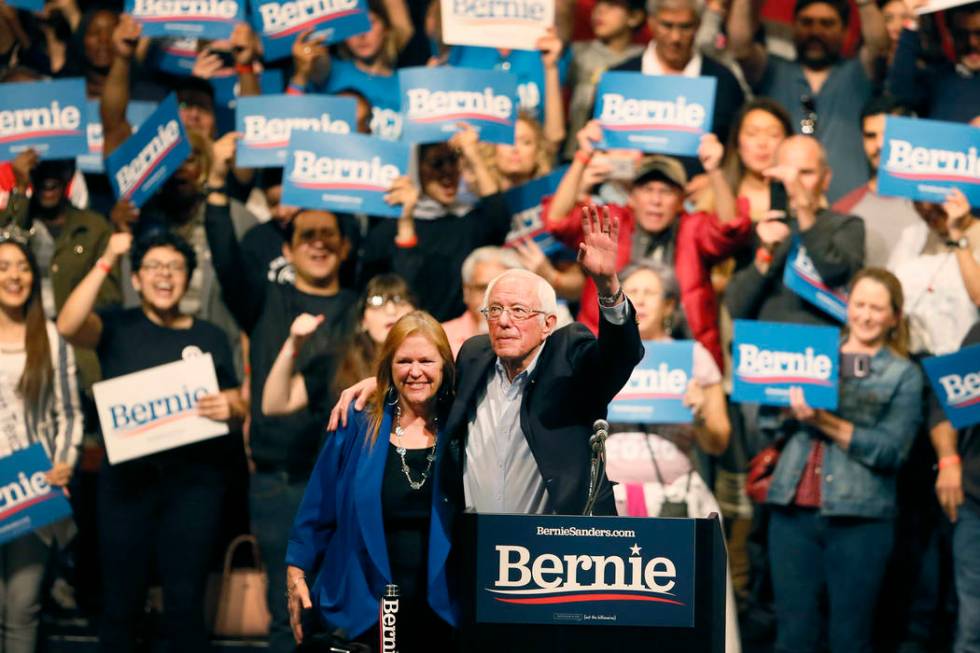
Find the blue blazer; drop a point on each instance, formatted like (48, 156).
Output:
(338, 536)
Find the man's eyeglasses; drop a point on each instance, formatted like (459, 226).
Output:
(808, 123)
(313, 235)
(378, 301)
(174, 267)
(517, 313)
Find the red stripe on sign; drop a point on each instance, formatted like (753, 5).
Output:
(310, 23)
(582, 598)
(26, 504)
(40, 134)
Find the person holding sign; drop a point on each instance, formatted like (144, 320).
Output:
(38, 403)
(372, 513)
(655, 225)
(367, 66)
(833, 489)
(958, 491)
(160, 507)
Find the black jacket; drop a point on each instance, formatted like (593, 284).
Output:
(575, 378)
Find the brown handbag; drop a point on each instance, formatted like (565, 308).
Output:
(761, 467)
(243, 610)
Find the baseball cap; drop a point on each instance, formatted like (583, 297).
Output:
(663, 168)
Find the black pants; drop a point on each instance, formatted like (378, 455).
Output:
(164, 513)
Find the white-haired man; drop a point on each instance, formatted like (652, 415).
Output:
(517, 436)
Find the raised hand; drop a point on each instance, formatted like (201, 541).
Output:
(118, 246)
(597, 253)
(126, 36)
(533, 257)
(403, 192)
(222, 156)
(207, 64)
(22, 165)
(303, 327)
(957, 209)
(550, 46)
(306, 50)
(710, 152)
(244, 44)
(588, 136)
(466, 140)
(124, 215)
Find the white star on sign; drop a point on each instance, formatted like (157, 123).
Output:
(635, 549)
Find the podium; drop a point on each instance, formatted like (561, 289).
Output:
(569, 583)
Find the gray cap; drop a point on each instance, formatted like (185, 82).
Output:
(661, 167)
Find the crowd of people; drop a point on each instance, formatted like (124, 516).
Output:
(480, 359)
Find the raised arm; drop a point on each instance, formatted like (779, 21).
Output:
(307, 51)
(285, 389)
(566, 195)
(743, 24)
(958, 217)
(401, 22)
(554, 104)
(873, 35)
(77, 322)
(467, 142)
(115, 96)
(243, 293)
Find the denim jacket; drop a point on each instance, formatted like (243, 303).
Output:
(886, 409)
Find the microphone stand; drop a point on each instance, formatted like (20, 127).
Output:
(597, 466)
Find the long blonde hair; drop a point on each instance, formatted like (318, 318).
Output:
(544, 155)
(416, 323)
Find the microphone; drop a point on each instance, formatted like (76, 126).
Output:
(600, 431)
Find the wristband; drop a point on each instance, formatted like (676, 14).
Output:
(244, 68)
(949, 461)
(103, 265)
(408, 243)
(583, 157)
(763, 255)
(294, 89)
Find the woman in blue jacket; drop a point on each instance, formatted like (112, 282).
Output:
(370, 516)
(833, 489)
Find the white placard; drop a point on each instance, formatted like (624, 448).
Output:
(938, 5)
(156, 409)
(515, 25)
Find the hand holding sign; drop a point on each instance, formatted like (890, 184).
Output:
(957, 209)
(550, 46)
(22, 166)
(306, 51)
(124, 215)
(798, 406)
(403, 192)
(694, 399)
(59, 475)
(244, 44)
(589, 136)
(222, 155)
(216, 407)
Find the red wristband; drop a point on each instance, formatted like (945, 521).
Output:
(763, 255)
(244, 68)
(583, 157)
(408, 243)
(102, 265)
(949, 461)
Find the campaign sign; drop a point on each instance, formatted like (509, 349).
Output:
(203, 19)
(348, 173)
(654, 113)
(48, 116)
(27, 501)
(515, 25)
(655, 392)
(226, 88)
(772, 357)
(278, 23)
(938, 5)
(801, 277)
(524, 202)
(266, 121)
(155, 409)
(924, 159)
(956, 379)
(435, 99)
(145, 160)
(176, 56)
(27, 5)
(547, 569)
(136, 112)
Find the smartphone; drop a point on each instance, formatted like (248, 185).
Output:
(227, 58)
(621, 168)
(854, 366)
(778, 201)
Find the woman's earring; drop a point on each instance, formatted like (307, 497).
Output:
(392, 397)
(668, 324)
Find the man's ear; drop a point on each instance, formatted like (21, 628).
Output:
(549, 324)
(287, 252)
(135, 280)
(344, 249)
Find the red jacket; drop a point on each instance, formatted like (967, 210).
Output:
(702, 241)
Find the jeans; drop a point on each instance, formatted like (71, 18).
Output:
(167, 511)
(966, 566)
(844, 556)
(21, 572)
(275, 498)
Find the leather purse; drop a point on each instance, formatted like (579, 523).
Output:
(760, 470)
(243, 609)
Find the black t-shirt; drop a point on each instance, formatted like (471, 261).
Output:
(968, 440)
(130, 343)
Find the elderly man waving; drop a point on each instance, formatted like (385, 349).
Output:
(527, 394)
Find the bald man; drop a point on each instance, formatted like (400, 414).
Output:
(833, 241)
